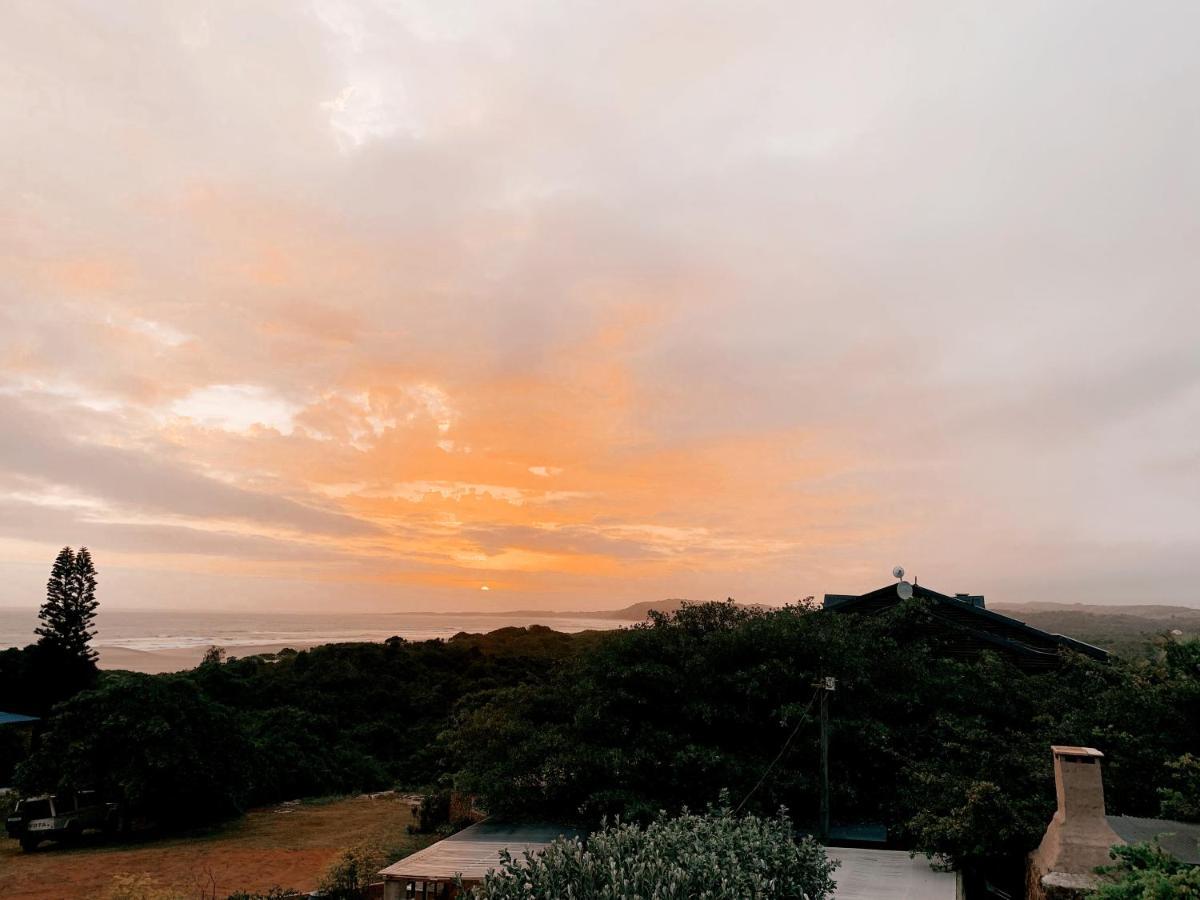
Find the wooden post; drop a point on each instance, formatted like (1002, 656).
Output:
(825, 686)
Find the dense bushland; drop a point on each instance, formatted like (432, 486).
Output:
(952, 754)
(202, 745)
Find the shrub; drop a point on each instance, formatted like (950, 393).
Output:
(8, 803)
(348, 876)
(1182, 799)
(1147, 872)
(688, 856)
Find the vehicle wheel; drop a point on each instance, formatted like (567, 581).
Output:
(74, 833)
(29, 844)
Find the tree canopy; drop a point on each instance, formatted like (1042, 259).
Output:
(951, 753)
(70, 608)
(62, 662)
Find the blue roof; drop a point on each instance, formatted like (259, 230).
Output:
(7, 718)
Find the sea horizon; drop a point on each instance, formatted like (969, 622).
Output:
(152, 630)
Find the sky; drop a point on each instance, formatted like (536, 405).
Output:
(464, 306)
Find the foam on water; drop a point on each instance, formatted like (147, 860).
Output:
(151, 630)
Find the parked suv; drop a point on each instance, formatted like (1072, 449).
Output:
(59, 817)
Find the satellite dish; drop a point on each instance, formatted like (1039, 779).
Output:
(898, 572)
(904, 589)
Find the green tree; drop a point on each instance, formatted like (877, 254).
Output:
(672, 858)
(952, 753)
(349, 876)
(154, 744)
(70, 606)
(1181, 800)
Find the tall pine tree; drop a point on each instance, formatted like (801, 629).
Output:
(70, 606)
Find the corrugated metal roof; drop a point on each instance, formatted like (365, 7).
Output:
(1180, 839)
(7, 718)
(475, 850)
(889, 875)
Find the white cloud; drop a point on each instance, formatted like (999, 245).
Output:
(372, 414)
(88, 398)
(436, 404)
(416, 491)
(237, 407)
(368, 109)
(159, 331)
(373, 103)
(57, 496)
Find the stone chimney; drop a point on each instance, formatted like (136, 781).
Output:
(1079, 836)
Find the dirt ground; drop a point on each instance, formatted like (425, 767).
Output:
(288, 845)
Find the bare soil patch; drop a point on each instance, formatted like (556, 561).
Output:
(288, 845)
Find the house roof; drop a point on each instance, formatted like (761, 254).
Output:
(888, 875)
(984, 625)
(1180, 839)
(475, 850)
(7, 718)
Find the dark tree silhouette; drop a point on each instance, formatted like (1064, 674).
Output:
(70, 606)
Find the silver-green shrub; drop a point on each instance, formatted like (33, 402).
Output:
(697, 857)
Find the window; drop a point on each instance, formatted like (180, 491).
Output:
(36, 809)
(427, 890)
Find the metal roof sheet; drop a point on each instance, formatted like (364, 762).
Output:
(1180, 839)
(889, 875)
(475, 850)
(7, 718)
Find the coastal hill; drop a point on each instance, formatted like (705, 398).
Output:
(1128, 630)
(634, 612)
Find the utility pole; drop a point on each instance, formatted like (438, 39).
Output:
(826, 686)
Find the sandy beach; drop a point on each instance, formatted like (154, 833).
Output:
(155, 640)
(177, 659)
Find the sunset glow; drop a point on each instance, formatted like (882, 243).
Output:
(400, 306)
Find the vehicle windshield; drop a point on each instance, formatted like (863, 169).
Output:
(63, 803)
(35, 809)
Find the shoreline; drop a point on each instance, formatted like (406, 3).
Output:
(180, 659)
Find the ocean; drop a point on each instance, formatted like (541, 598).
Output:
(158, 630)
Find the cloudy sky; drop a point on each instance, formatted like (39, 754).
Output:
(375, 305)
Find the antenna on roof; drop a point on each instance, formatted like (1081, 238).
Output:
(904, 589)
(898, 572)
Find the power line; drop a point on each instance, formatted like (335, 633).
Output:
(782, 751)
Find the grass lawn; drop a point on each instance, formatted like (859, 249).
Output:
(289, 846)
